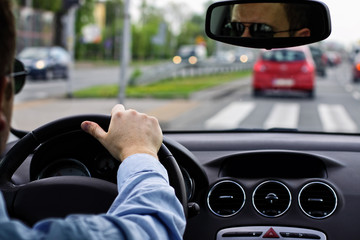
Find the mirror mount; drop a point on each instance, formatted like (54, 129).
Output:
(221, 15)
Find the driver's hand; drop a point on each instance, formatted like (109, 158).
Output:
(129, 133)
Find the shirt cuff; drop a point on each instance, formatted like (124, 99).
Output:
(137, 163)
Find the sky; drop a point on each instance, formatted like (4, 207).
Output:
(194, 5)
(345, 16)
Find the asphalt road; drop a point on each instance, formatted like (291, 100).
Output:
(334, 108)
(82, 77)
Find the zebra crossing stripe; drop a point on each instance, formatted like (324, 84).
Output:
(231, 116)
(283, 115)
(335, 118)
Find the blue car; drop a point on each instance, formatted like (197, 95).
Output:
(46, 62)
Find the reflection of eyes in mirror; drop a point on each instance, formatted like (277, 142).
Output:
(267, 20)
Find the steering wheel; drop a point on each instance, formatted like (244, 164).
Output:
(60, 196)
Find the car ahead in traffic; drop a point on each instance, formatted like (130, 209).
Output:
(320, 60)
(46, 62)
(356, 68)
(333, 58)
(190, 54)
(283, 70)
(268, 168)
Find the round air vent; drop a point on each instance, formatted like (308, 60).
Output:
(226, 198)
(317, 200)
(271, 198)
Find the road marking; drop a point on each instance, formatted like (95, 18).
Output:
(356, 95)
(172, 110)
(349, 88)
(32, 103)
(231, 116)
(283, 115)
(335, 118)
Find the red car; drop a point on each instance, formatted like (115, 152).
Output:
(285, 69)
(356, 68)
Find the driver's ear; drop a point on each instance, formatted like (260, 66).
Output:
(305, 32)
(6, 104)
(3, 84)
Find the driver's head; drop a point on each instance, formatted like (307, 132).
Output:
(266, 20)
(7, 52)
(271, 14)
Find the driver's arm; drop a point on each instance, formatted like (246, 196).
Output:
(146, 206)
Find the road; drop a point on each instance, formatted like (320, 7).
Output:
(82, 77)
(334, 108)
(91, 75)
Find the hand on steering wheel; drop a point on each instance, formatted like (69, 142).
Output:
(37, 200)
(129, 132)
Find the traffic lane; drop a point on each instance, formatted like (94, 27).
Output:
(252, 112)
(333, 109)
(345, 78)
(81, 78)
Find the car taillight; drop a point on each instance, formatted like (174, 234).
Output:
(305, 69)
(358, 67)
(260, 68)
(324, 59)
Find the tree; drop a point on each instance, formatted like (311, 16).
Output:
(84, 16)
(191, 29)
(53, 5)
(145, 30)
(113, 28)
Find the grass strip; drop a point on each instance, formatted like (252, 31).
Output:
(168, 89)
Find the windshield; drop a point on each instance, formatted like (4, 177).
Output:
(130, 59)
(283, 56)
(31, 53)
(187, 50)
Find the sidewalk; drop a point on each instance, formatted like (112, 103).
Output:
(30, 115)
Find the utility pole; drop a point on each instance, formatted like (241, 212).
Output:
(70, 41)
(71, 7)
(125, 53)
(29, 27)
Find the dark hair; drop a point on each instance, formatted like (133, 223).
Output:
(7, 37)
(298, 16)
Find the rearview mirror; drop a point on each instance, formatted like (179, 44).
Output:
(268, 23)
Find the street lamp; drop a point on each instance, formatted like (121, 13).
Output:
(125, 53)
(71, 6)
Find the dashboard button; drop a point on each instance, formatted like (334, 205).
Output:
(242, 234)
(299, 235)
(310, 236)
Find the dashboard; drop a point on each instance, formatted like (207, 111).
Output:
(245, 185)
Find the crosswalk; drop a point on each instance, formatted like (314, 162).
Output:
(283, 115)
(231, 116)
(335, 118)
(331, 117)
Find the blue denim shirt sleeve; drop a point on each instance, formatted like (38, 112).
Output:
(145, 208)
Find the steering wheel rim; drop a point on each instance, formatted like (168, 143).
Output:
(43, 195)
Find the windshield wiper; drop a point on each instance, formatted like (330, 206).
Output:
(263, 130)
(282, 130)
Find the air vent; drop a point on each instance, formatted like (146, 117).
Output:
(317, 200)
(226, 198)
(271, 198)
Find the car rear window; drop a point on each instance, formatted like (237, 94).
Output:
(283, 56)
(30, 53)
